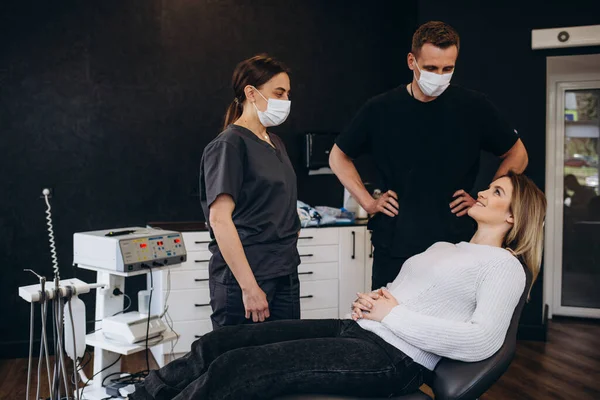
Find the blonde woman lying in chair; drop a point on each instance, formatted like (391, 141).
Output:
(453, 300)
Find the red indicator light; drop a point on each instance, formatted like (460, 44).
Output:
(177, 240)
(143, 245)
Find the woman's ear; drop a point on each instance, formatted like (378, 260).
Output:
(249, 92)
(510, 219)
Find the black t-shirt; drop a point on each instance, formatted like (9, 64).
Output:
(425, 152)
(262, 183)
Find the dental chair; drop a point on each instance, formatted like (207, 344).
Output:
(457, 380)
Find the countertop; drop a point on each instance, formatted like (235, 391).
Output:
(197, 226)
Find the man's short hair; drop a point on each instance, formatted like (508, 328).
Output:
(437, 33)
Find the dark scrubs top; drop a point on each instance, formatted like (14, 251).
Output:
(425, 152)
(262, 183)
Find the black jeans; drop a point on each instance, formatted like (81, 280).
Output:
(283, 296)
(263, 361)
(385, 267)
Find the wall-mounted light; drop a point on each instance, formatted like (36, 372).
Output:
(574, 36)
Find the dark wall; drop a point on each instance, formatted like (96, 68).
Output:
(496, 58)
(111, 103)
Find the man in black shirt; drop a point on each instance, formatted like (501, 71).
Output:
(425, 139)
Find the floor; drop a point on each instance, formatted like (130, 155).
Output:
(566, 367)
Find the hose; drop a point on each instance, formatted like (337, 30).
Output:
(46, 193)
(31, 317)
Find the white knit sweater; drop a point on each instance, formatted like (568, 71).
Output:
(455, 301)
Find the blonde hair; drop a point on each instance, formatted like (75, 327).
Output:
(525, 238)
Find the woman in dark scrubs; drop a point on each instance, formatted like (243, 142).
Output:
(248, 194)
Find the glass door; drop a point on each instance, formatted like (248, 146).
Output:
(577, 283)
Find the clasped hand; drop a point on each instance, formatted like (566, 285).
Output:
(375, 305)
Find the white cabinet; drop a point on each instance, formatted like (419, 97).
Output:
(335, 264)
(318, 272)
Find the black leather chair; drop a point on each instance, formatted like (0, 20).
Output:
(457, 380)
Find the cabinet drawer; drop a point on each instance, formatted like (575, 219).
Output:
(317, 271)
(195, 261)
(318, 294)
(188, 332)
(325, 313)
(198, 279)
(188, 305)
(318, 236)
(187, 279)
(318, 254)
(196, 241)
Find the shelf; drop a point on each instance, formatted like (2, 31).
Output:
(98, 340)
(127, 274)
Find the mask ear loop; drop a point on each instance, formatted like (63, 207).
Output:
(417, 65)
(261, 95)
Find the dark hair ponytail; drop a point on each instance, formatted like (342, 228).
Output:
(255, 71)
(234, 111)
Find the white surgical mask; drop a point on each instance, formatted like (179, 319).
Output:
(433, 84)
(276, 113)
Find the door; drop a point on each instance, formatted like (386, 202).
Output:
(576, 201)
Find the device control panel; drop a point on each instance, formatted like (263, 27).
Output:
(152, 251)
